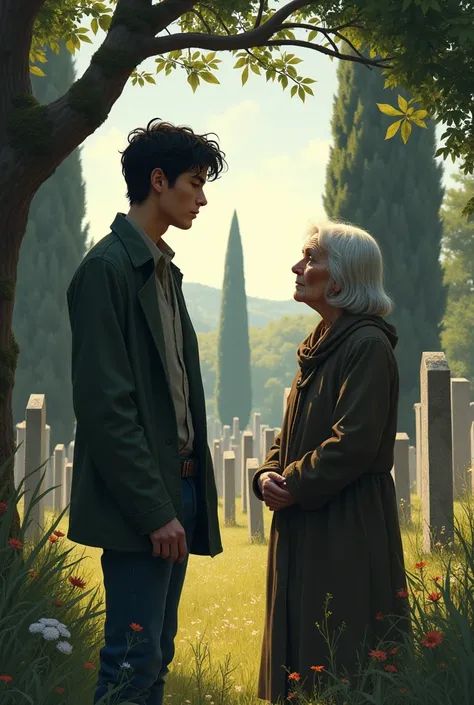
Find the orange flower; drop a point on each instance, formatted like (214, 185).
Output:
(379, 615)
(390, 668)
(136, 627)
(53, 539)
(59, 534)
(60, 690)
(436, 578)
(14, 543)
(420, 565)
(434, 596)
(394, 651)
(6, 679)
(318, 669)
(290, 696)
(33, 574)
(77, 582)
(402, 593)
(3, 507)
(294, 676)
(89, 665)
(376, 655)
(432, 639)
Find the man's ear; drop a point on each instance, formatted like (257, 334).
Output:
(157, 180)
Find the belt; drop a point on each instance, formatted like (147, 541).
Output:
(189, 467)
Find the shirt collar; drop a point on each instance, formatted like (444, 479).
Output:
(163, 251)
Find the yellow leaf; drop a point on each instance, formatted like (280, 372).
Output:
(245, 75)
(193, 80)
(70, 47)
(418, 122)
(402, 104)
(36, 71)
(420, 114)
(392, 129)
(406, 131)
(208, 77)
(388, 109)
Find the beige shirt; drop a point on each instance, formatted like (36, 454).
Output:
(173, 335)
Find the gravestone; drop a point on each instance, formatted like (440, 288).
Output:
(236, 429)
(226, 430)
(246, 453)
(419, 448)
(217, 462)
(49, 467)
(217, 429)
(461, 433)
(257, 418)
(59, 477)
(401, 471)
(236, 449)
(437, 457)
(67, 483)
(229, 488)
(412, 467)
(268, 439)
(19, 465)
(255, 505)
(34, 456)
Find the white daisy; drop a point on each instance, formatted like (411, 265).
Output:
(64, 647)
(63, 631)
(50, 633)
(49, 622)
(36, 628)
(125, 665)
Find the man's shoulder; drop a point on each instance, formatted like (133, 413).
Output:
(108, 250)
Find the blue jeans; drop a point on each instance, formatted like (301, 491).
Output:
(143, 590)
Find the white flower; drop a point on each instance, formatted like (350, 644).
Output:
(239, 688)
(64, 647)
(49, 622)
(63, 631)
(36, 628)
(208, 697)
(50, 633)
(125, 665)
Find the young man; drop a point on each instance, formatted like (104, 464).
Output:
(143, 485)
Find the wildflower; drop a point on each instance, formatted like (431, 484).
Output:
(77, 582)
(58, 603)
(239, 688)
(420, 565)
(379, 616)
(64, 647)
(442, 664)
(53, 539)
(6, 679)
(390, 668)
(14, 543)
(89, 666)
(432, 639)
(394, 651)
(290, 696)
(402, 593)
(434, 596)
(3, 507)
(63, 631)
(34, 575)
(50, 633)
(294, 676)
(59, 534)
(208, 697)
(436, 578)
(344, 681)
(136, 627)
(318, 669)
(59, 690)
(376, 655)
(125, 665)
(36, 628)
(48, 622)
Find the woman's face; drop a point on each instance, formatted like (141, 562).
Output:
(312, 275)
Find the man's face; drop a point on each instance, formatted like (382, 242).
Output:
(180, 204)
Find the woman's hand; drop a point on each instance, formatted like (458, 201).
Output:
(274, 491)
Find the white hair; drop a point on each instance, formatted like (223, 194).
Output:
(355, 264)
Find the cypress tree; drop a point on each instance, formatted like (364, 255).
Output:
(53, 247)
(394, 191)
(233, 379)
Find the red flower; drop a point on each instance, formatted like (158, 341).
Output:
(59, 534)
(420, 565)
(77, 582)
(58, 603)
(432, 639)
(402, 593)
(6, 679)
(442, 664)
(60, 690)
(294, 676)
(14, 543)
(390, 668)
(3, 507)
(436, 578)
(394, 651)
(290, 696)
(318, 669)
(434, 596)
(136, 627)
(379, 615)
(33, 574)
(89, 665)
(53, 539)
(377, 655)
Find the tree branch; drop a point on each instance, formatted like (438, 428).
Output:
(260, 14)
(378, 63)
(168, 11)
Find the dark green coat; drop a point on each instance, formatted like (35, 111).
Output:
(126, 476)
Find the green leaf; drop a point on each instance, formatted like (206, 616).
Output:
(141, 81)
(85, 38)
(241, 62)
(210, 56)
(406, 131)
(284, 81)
(392, 129)
(308, 90)
(402, 104)
(388, 109)
(295, 60)
(208, 77)
(255, 68)
(195, 56)
(193, 80)
(301, 93)
(245, 75)
(70, 46)
(293, 90)
(95, 25)
(308, 80)
(312, 35)
(36, 71)
(149, 78)
(406, 5)
(105, 21)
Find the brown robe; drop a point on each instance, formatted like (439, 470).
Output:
(342, 536)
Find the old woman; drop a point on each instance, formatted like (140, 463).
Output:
(335, 542)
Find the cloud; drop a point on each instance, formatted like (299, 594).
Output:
(105, 144)
(317, 151)
(233, 122)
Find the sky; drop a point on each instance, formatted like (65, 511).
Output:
(277, 150)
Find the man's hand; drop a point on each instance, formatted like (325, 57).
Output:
(169, 542)
(274, 492)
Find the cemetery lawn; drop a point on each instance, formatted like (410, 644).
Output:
(222, 610)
